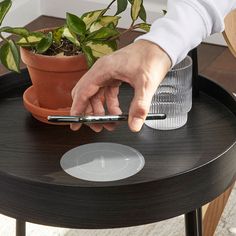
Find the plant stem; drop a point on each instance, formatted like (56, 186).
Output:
(132, 27)
(110, 4)
(4, 39)
(108, 7)
(31, 47)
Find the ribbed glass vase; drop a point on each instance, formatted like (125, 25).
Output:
(173, 97)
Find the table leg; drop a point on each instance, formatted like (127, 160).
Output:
(20, 228)
(193, 223)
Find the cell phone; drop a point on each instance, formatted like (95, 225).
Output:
(99, 119)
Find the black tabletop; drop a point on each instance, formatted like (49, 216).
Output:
(184, 168)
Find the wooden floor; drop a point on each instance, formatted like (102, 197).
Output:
(216, 63)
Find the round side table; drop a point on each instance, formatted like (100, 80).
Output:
(185, 168)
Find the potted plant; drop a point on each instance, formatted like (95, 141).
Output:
(57, 58)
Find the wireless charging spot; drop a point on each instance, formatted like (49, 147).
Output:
(102, 162)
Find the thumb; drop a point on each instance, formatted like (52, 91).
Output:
(139, 109)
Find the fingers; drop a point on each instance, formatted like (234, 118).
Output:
(113, 106)
(81, 95)
(140, 104)
(90, 89)
(86, 88)
(89, 85)
(98, 109)
(95, 107)
(137, 114)
(77, 126)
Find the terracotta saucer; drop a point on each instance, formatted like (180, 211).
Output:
(40, 113)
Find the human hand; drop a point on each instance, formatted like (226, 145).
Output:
(142, 64)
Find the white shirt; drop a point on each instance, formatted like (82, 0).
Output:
(186, 24)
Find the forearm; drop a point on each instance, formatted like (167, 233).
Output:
(186, 24)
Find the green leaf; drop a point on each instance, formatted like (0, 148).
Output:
(142, 14)
(113, 45)
(144, 26)
(4, 8)
(100, 49)
(33, 39)
(95, 26)
(111, 26)
(90, 17)
(57, 34)
(17, 30)
(104, 21)
(10, 56)
(103, 33)
(89, 55)
(121, 6)
(71, 36)
(75, 24)
(44, 44)
(135, 9)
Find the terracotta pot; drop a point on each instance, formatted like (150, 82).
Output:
(54, 77)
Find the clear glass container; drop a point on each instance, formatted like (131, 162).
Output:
(173, 97)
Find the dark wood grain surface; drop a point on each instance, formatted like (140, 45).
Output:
(24, 139)
(184, 168)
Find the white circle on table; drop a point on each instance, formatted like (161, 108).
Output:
(101, 162)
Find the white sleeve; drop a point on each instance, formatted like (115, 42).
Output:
(186, 24)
